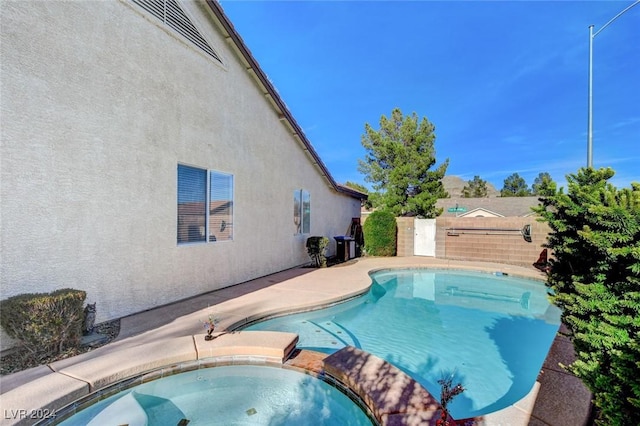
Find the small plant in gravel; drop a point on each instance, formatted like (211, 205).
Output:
(19, 359)
(44, 324)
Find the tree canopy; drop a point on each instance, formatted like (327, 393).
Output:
(358, 187)
(543, 185)
(595, 278)
(515, 186)
(399, 161)
(476, 188)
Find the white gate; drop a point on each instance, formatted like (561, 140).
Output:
(424, 239)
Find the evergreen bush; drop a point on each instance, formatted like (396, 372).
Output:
(595, 278)
(315, 248)
(380, 233)
(44, 324)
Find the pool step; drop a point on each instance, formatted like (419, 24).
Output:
(273, 345)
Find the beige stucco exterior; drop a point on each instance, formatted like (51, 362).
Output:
(99, 104)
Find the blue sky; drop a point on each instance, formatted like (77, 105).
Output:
(504, 82)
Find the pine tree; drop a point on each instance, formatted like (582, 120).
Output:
(595, 278)
(399, 160)
(476, 188)
(515, 186)
(543, 185)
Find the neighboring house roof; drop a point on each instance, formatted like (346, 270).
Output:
(272, 95)
(480, 212)
(496, 206)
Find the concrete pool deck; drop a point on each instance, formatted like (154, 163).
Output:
(173, 334)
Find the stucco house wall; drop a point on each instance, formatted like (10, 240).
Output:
(100, 102)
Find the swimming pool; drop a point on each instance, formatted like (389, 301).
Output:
(492, 332)
(227, 395)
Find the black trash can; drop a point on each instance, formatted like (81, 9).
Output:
(342, 253)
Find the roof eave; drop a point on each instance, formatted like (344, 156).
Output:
(254, 69)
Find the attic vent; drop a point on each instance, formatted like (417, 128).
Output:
(172, 15)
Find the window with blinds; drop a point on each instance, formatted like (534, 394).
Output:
(172, 15)
(205, 205)
(302, 211)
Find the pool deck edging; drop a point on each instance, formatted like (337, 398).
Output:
(288, 290)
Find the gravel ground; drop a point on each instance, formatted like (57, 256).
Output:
(20, 359)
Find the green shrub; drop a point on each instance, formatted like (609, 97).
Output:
(595, 276)
(380, 233)
(316, 247)
(44, 324)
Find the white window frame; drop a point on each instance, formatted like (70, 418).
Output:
(194, 228)
(301, 212)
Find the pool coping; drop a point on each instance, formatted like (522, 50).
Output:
(53, 386)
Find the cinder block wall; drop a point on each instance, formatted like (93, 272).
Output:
(489, 246)
(405, 236)
(477, 243)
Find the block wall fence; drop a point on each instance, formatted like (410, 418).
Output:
(405, 235)
(481, 239)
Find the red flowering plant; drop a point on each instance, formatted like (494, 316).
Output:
(447, 393)
(209, 326)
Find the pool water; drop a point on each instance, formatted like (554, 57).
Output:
(491, 332)
(227, 395)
